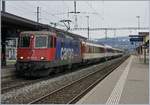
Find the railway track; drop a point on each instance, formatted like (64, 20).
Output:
(71, 93)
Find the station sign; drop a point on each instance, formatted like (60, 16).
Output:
(136, 38)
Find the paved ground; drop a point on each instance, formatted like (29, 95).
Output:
(128, 84)
(7, 70)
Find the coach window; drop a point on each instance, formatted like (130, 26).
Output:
(97, 50)
(110, 50)
(90, 49)
(93, 49)
(100, 50)
(87, 48)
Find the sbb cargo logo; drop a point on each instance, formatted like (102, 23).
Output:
(66, 53)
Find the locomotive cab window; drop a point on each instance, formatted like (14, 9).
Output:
(41, 42)
(24, 41)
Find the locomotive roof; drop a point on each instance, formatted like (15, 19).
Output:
(60, 34)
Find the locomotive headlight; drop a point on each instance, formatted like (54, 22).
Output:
(21, 57)
(42, 58)
(32, 36)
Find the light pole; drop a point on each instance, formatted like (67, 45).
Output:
(75, 14)
(88, 26)
(105, 33)
(38, 12)
(3, 5)
(138, 17)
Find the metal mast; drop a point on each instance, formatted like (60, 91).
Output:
(38, 14)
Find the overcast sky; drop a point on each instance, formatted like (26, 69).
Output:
(101, 14)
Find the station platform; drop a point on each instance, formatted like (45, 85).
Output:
(127, 84)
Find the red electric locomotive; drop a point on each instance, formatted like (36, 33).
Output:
(35, 49)
(39, 52)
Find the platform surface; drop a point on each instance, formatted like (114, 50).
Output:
(8, 70)
(128, 84)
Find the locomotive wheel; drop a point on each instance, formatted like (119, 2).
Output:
(57, 70)
(69, 66)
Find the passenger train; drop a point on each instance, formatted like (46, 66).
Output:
(40, 53)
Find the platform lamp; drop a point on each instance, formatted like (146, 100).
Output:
(138, 17)
(88, 26)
